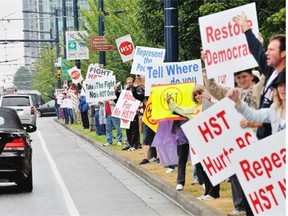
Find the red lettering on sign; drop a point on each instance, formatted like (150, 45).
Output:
(126, 48)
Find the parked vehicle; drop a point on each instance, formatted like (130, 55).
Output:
(15, 150)
(24, 106)
(47, 109)
(36, 96)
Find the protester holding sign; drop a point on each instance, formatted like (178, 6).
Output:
(271, 63)
(275, 114)
(211, 192)
(84, 107)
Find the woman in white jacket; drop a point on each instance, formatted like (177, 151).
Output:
(275, 115)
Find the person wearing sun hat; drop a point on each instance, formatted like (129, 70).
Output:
(275, 114)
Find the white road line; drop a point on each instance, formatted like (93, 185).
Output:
(68, 200)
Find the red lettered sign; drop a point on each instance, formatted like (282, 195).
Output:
(126, 48)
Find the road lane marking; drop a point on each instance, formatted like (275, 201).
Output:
(68, 199)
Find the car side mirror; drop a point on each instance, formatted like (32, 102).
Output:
(30, 128)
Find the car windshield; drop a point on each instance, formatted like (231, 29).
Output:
(15, 101)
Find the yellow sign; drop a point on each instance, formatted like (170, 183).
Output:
(181, 95)
(147, 116)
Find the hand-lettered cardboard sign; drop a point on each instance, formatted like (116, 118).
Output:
(126, 107)
(144, 56)
(173, 73)
(215, 134)
(260, 169)
(95, 71)
(224, 42)
(100, 89)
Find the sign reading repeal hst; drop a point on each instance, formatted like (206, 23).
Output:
(76, 48)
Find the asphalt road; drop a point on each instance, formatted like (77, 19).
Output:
(71, 177)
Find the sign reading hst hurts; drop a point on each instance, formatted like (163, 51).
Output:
(126, 106)
(125, 47)
(180, 94)
(100, 89)
(75, 75)
(215, 134)
(173, 72)
(260, 169)
(224, 42)
(144, 56)
(94, 71)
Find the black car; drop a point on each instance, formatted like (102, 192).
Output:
(47, 109)
(15, 150)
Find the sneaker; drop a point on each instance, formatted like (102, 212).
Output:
(196, 181)
(201, 197)
(208, 197)
(170, 170)
(237, 213)
(144, 161)
(106, 144)
(131, 149)
(153, 160)
(179, 187)
(125, 148)
(203, 185)
(119, 143)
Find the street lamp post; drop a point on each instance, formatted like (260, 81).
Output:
(76, 24)
(102, 57)
(171, 30)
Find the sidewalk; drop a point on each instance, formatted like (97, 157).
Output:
(186, 200)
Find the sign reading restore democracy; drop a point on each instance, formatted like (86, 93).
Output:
(126, 106)
(224, 42)
(144, 56)
(260, 169)
(100, 89)
(173, 73)
(215, 134)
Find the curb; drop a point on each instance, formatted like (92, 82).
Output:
(188, 202)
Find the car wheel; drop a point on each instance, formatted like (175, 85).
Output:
(39, 113)
(27, 184)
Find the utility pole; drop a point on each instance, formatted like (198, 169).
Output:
(102, 57)
(64, 25)
(171, 30)
(76, 24)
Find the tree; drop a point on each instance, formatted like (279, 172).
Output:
(45, 76)
(23, 78)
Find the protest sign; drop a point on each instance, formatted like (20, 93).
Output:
(100, 89)
(75, 75)
(125, 47)
(260, 169)
(173, 72)
(95, 71)
(215, 134)
(124, 123)
(147, 116)
(144, 56)
(126, 106)
(224, 42)
(181, 94)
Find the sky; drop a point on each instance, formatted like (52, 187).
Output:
(11, 9)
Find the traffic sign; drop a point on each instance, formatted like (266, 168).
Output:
(99, 43)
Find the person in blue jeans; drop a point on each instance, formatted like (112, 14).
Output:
(100, 130)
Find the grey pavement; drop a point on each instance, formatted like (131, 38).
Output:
(186, 201)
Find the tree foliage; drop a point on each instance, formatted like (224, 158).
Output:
(23, 78)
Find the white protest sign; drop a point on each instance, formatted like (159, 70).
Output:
(125, 47)
(144, 56)
(75, 75)
(225, 43)
(215, 134)
(260, 169)
(126, 106)
(226, 80)
(172, 72)
(124, 123)
(95, 71)
(76, 46)
(100, 89)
